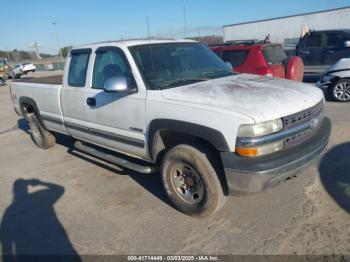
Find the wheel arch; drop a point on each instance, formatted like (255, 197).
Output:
(180, 131)
(27, 103)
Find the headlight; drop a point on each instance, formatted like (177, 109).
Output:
(257, 130)
(327, 78)
(261, 129)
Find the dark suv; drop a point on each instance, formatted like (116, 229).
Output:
(319, 49)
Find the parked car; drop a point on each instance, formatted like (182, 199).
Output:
(23, 69)
(261, 59)
(336, 81)
(320, 49)
(176, 107)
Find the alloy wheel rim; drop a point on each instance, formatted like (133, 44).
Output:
(187, 183)
(342, 91)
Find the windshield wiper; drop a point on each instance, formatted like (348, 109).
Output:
(183, 81)
(216, 71)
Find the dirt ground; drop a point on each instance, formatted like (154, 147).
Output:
(61, 201)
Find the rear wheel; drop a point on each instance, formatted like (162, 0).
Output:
(191, 182)
(41, 137)
(340, 90)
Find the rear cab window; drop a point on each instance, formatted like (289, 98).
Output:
(235, 57)
(78, 67)
(334, 39)
(274, 54)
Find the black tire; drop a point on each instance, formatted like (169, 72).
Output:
(340, 90)
(2, 82)
(41, 137)
(199, 170)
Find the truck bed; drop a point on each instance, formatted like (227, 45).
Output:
(52, 80)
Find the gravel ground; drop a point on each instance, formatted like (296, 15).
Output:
(63, 202)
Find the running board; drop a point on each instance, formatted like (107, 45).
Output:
(144, 169)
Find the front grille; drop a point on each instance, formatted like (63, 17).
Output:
(314, 113)
(297, 139)
(303, 116)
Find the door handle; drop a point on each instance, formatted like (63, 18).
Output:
(305, 52)
(91, 101)
(330, 52)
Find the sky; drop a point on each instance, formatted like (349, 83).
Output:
(86, 21)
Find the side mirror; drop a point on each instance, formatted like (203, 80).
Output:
(229, 65)
(347, 43)
(118, 84)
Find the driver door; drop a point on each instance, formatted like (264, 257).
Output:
(116, 120)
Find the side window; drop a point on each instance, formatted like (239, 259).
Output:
(333, 39)
(109, 62)
(236, 58)
(314, 40)
(78, 68)
(274, 54)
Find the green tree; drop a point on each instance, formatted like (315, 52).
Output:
(65, 50)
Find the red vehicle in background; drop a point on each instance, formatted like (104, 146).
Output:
(261, 59)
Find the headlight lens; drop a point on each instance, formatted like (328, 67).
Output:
(256, 130)
(261, 129)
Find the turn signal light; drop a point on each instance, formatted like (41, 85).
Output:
(260, 150)
(249, 152)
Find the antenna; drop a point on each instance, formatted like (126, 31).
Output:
(184, 13)
(148, 30)
(36, 46)
(149, 41)
(58, 43)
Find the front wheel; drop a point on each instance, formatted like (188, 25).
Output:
(2, 82)
(340, 90)
(191, 182)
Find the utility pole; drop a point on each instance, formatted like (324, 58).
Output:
(8, 55)
(184, 13)
(58, 42)
(36, 46)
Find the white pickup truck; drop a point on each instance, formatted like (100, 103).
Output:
(173, 105)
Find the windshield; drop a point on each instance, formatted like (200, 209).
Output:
(174, 64)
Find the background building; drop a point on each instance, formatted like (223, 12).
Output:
(287, 29)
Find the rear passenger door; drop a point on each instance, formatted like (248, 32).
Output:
(335, 48)
(74, 94)
(117, 120)
(311, 49)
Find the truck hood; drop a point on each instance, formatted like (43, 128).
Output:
(262, 98)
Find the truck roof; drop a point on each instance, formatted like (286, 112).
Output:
(331, 31)
(135, 42)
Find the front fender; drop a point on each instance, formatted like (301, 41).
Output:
(212, 136)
